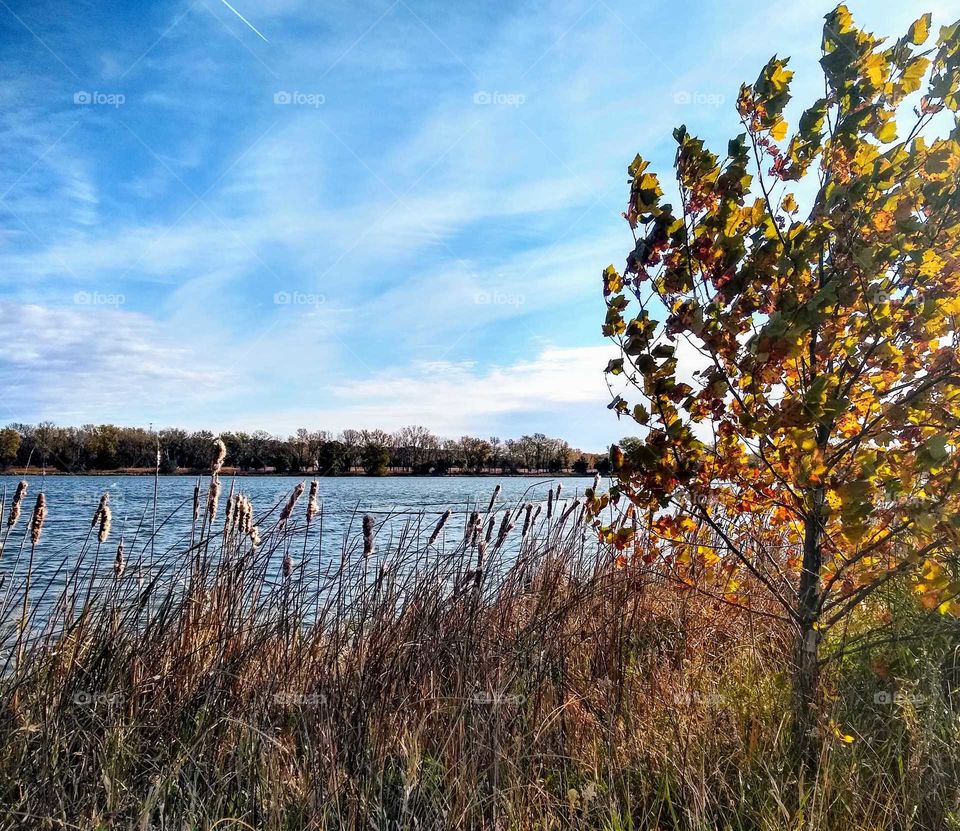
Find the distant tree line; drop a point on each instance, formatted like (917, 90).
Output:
(375, 452)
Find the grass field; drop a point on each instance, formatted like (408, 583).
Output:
(451, 684)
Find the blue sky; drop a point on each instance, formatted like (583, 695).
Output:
(355, 215)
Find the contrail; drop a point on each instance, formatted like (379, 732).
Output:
(249, 24)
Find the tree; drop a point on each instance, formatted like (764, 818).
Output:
(827, 400)
(375, 457)
(9, 446)
(474, 452)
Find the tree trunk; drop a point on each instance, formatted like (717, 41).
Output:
(807, 666)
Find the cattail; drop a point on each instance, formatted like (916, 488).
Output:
(291, 503)
(213, 497)
(104, 501)
(596, 483)
(239, 509)
(536, 513)
(221, 456)
(231, 508)
(477, 530)
(439, 528)
(118, 563)
(471, 530)
(569, 510)
(493, 499)
(490, 523)
(248, 528)
(18, 495)
(559, 488)
(287, 565)
(39, 517)
(526, 520)
(550, 503)
(312, 506)
(367, 535)
(255, 536)
(105, 517)
(505, 527)
(196, 501)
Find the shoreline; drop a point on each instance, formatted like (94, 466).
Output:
(225, 472)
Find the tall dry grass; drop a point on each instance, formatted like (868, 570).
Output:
(432, 674)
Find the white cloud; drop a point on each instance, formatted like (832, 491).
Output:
(94, 363)
(452, 398)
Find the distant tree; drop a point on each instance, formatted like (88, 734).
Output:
(376, 458)
(332, 458)
(581, 466)
(9, 446)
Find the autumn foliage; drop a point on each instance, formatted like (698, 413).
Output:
(791, 332)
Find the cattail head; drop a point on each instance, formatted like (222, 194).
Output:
(569, 510)
(213, 498)
(550, 503)
(291, 503)
(118, 564)
(39, 517)
(17, 503)
(239, 508)
(368, 536)
(490, 523)
(526, 519)
(470, 531)
(559, 488)
(246, 524)
(231, 508)
(505, 528)
(105, 517)
(596, 483)
(287, 566)
(312, 506)
(255, 536)
(493, 498)
(104, 502)
(196, 501)
(439, 528)
(221, 456)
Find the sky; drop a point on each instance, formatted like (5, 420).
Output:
(281, 214)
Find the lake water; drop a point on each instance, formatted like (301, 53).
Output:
(399, 505)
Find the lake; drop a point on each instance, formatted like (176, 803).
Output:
(399, 504)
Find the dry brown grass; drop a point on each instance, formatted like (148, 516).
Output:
(415, 687)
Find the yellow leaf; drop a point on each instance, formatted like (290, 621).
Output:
(919, 30)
